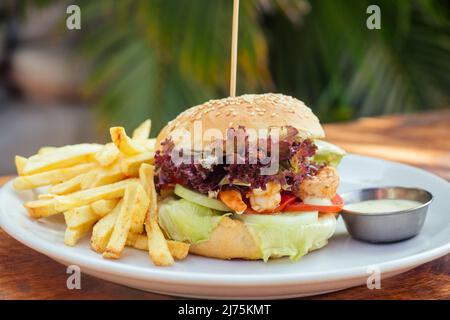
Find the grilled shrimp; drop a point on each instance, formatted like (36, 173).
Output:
(323, 185)
(233, 200)
(268, 199)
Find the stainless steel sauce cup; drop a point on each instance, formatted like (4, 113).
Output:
(386, 226)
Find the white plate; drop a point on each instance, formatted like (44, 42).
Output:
(343, 263)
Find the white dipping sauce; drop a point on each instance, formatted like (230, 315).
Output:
(382, 205)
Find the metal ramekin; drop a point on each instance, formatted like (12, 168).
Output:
(387, 226)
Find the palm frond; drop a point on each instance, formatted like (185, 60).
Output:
(154, 58)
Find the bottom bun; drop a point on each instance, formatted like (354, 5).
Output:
(231, 239)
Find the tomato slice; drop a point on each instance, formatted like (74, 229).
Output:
(337, 205)
(286, 199)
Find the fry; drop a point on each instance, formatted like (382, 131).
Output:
(139, 210)
(103, 229)
(130, 165)
(72, 235)
(103, 207)
(41, 208)
(20, 164)
(124, 143)
(107, 154)
(80, 217)
(45, 150)
(142, 131)
(122, 226)
(60, 158)
(68, 186)
(44, 196)
(179, 250)
(83, 197)
(157, 244)
(87, 179)
(50, 177)
(138, 241)
(102, 176)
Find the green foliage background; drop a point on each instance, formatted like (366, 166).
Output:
(154, 58)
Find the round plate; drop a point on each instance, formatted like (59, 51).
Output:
(343, 263)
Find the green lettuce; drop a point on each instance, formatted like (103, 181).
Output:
(328, 152)
(183, 220)
(292, 235)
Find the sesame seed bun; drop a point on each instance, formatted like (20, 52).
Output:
(255, 111)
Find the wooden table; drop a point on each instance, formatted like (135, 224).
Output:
(422, 140)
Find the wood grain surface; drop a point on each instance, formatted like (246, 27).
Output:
(422, 140)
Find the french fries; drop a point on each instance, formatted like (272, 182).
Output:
(44, 196)
(179, 250)
(124, 143)
(60, 158)
(139, 210)
(71, 236)
(103, 207)
(107, 154)
(44, 150)
(41, 208)
(80, 220)
(102, 176)
(157, 244)
(66, 187)
(20, 164)
(50, 177)
(82, 197)
(103, 229)
(108, 189)
(123, 223)
(142, 131)
(130, 165)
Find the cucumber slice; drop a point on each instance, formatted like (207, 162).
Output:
(200, 199)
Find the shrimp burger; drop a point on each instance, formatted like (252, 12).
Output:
(247, 177)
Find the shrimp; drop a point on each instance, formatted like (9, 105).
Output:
(261, 200)
(233, 200)
(323, 185)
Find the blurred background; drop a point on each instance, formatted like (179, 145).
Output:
(134, 59)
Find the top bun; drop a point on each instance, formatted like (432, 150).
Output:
(256, 111)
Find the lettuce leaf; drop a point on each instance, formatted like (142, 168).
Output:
(328, 152)
(292, 235)
(183, 220)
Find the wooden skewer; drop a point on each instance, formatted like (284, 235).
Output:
(234, 43)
